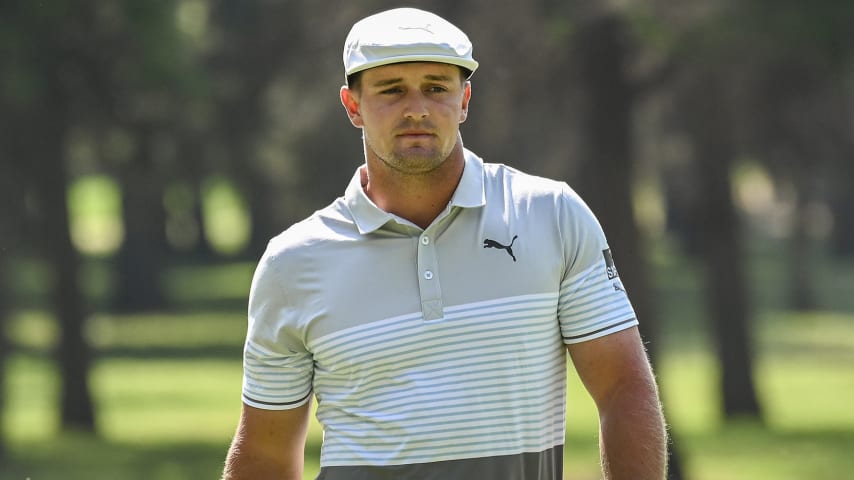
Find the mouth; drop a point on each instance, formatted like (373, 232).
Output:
(415, 134)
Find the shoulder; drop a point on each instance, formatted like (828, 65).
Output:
(505, 175)
(322, 229)
(544, 201)
(520, 184)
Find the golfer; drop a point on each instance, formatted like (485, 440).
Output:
(430, 309)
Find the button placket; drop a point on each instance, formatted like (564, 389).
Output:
(428, 279)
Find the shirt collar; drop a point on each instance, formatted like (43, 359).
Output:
(470, 192)
(369, 217)
(366, 214)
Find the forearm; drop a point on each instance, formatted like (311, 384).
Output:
(633, 436)
(243, 464)
(268, 445)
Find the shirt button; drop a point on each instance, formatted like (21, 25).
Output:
(425, 240)
(428, 275)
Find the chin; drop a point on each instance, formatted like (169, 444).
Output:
(414, 164)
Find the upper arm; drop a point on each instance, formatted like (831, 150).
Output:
(269, 443)
(610, 364)
(277, 366)
(592, 302)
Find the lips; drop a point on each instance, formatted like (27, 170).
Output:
(415, 133)
(416, 136)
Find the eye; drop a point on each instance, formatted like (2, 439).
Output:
(391, 91)
(437, 89)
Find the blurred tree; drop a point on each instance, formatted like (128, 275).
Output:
(11, 215)
(42, 74)
(73, 354)
(152, 87)
(804, 53)
(778, 136)
(708, 48)
(259, 41)
(707, 114)
(605, 50)
(799, 109)
(521, 111)
(4, 353)
(140, 260)
(10, 201)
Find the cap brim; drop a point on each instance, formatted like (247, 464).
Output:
(470, 65)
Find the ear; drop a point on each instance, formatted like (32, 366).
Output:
(466, 98)
(350, 101)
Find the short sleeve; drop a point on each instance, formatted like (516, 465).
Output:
(593, 301)
(277, 368)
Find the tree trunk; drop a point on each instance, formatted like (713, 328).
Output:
(709, 123)
(5, 310)
(841, 200)
(843, 221)
(73, 354)
(8, 204)
(801, 294)
(14, 226)
(141, 257)
(607, 170)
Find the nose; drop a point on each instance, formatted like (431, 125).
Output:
(416, 107)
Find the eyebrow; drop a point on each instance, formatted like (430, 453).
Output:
(392, 81)
(386, 82)
(438, 78)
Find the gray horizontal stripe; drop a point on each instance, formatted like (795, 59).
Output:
(539, 329)
(516, 318)
(460, 392)
(432, 441)
(483, 413)
(409, 321)
(545, 465)
(485, 444)
(595, 301)
(495, 357)
(569, 287)
(252, 400)
(591, 318)
(576, 337)
(506, 302)
(613, 318)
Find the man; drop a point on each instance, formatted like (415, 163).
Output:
(429, 310)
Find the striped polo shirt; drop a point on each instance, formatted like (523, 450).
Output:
(439, 352)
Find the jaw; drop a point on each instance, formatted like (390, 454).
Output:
(410, 156)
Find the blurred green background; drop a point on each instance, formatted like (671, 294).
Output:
(148, 151)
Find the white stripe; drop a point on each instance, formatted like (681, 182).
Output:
(443, 387)
(272, 378)
(445, 397)
(413, 347)
(588, 303)
(571, 284)
(395, 325)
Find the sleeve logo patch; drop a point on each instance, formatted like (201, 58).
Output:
(610, 268)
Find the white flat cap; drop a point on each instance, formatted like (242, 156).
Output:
(405, 35)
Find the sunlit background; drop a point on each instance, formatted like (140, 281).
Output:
(150, 149)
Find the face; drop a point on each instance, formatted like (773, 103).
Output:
(409, 113)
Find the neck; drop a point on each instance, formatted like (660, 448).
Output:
(418, 198)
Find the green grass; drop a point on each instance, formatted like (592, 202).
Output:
(172, 418)
(167, 388)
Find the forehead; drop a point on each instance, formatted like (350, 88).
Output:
(411, 71)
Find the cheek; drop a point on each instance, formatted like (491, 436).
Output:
(376, 117)
(374, 134)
